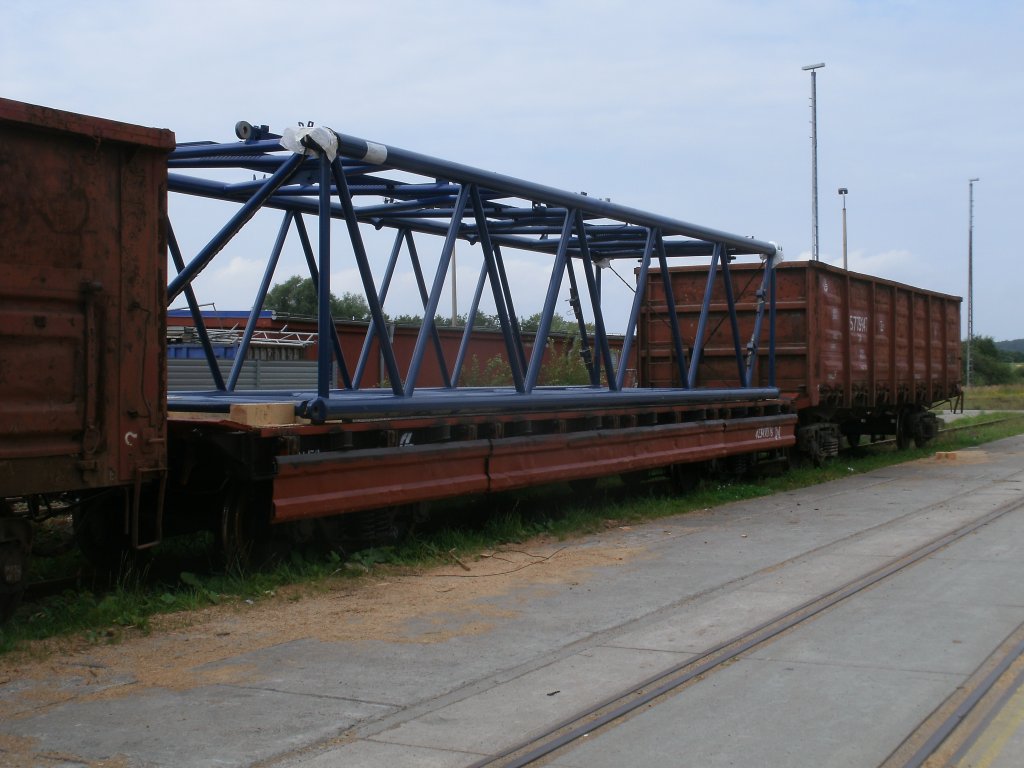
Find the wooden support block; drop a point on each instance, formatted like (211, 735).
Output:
(264, 414)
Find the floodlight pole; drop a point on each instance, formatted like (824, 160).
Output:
(814, 159)
(970, 273)
(843, 191)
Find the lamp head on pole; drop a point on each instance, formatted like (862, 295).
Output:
(813, 66)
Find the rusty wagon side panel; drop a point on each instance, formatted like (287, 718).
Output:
(843, 340)
(82, 286)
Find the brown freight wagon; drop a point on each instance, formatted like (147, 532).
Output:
(857, 355)
(82, 296)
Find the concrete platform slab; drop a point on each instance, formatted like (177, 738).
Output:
(772, 715)
(510, 711)
(215, 725)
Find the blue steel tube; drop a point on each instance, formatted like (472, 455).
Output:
(593, 365)
(467, 333)
(324, 321)
(771, 325)
(554, 286)
(369, 289)
(517, 336)
(673, 316)
(702, 321)
(731, 304)
(254, 313)
(634, 313)
(385, 284)
(594, 287)
(229, 230)
(314, 275)
(515, 354)
(379, 154)
(421, 285)
(197, 315)
(755, 338)
(435, 292)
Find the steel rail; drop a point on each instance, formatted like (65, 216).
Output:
(951, 723)
(619, 706)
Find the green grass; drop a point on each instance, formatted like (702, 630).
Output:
(141, 591)
(994, 398)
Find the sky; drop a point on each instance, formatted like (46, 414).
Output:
(695, 110)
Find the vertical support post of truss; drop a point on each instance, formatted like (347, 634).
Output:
(460, 358)
(314, 275)
(261, 295)
(673, 315)
(229, 230)
(369, 289)
(730, 301)
(594, 287)
(197, 315)
(593, 367)
(435, 291)
(421, 284)
(513, 344)
(771, 323)
(385, 285)
(517, 334)
(546, 314)
(755, 338)
(324, 320)
(702, 320)
(653, 235)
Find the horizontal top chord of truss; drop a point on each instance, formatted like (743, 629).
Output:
(426, 206)
(328, 175)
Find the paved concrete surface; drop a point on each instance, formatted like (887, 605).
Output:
(843, 690)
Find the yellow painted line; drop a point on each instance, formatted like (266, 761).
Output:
(992, 740)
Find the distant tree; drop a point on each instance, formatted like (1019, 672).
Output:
(351, 306)
(559, 324)
(296, 296)
(987, 364)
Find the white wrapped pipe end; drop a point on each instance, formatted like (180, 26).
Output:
(778, 258)
(322, 139)
(375, 153)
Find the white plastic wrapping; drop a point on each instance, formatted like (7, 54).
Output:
(323, 137)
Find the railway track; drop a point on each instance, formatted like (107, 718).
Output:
(962, 730)
(616, 709)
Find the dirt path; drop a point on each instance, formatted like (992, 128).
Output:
(396, 605)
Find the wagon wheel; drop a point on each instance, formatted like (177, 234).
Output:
(853, 439)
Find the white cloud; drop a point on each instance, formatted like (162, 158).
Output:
(698, 110)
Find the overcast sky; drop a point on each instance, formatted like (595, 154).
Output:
(696, 110)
